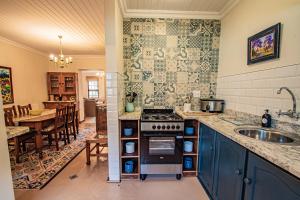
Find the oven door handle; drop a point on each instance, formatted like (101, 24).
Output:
(164, 135)
(162, 148)
(161, 140)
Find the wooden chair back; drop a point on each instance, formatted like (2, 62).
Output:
(12, 110)
(8, 118)
(101, 118)
(60, 117)
(71, 109)
(24, 110)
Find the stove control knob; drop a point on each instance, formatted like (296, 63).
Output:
(163, 127)
(168, 127)
(177, 127)
(158, 127)
(173, 127)
(153, 127)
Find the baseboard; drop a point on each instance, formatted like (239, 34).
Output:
(112, 181)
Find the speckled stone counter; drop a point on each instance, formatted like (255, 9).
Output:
(130, 115)
(13, 131)
(193, 114)
(286, 156)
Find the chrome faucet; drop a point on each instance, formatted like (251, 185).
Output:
(291, 113)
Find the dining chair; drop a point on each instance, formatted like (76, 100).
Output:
(9, 114)
(70, 121)
(99, 139)
(77, 118)
(12, 110)
(58, 128)
(19, 140)
(24, 110)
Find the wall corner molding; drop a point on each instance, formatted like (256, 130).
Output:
(22, 46)
(82, 56)
(143, 13)
(228, 7)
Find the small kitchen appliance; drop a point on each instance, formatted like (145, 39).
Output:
(212, 105)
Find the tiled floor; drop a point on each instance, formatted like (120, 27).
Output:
(91, 184)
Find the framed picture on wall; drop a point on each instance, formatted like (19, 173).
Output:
(264, 45)
(6, 85)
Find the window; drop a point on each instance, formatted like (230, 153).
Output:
(93, 89)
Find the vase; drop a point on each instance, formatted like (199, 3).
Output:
(129, 107)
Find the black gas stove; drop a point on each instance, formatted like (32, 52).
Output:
(160, 115)
(161, 142)
(161, 120)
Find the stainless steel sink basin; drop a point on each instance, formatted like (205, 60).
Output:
(262, 134)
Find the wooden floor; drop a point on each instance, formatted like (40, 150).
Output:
(90, 184)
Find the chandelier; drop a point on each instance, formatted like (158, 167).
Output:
(60, 60)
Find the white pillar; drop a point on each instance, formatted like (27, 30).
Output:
(114, 68)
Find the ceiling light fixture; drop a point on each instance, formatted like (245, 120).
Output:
(60, 60)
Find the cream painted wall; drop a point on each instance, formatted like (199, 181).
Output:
(250, 17)
(253, 88)
(29, 70)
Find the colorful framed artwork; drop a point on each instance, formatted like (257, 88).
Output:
(264, 45)
(6, 85)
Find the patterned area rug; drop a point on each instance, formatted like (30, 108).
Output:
(33, 173)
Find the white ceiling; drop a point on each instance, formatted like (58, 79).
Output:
(37, 23)
(215, 9)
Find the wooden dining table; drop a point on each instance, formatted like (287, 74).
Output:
(37, 122)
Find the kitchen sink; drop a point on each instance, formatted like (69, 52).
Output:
(267, 135)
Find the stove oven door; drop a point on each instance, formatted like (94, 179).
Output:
(161, 148)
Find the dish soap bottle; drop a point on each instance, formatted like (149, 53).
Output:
(266, 119)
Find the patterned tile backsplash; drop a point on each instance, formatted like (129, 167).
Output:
(165, 60)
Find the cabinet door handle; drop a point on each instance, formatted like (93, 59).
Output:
(247, 181)
(237, 172)
(211, 148)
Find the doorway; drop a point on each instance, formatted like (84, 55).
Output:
(91, 93)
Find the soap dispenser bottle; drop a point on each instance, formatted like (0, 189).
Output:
(266, 119)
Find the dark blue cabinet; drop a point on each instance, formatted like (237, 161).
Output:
(265, 181)
(229, 169)
(206, 156)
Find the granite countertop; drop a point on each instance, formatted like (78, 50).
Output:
(193, 114)
(13, 131)
(286, 156)
(136, 115)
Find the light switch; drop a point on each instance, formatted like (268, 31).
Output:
(196, 93)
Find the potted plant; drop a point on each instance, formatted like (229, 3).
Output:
(130, 97)
(187, 104)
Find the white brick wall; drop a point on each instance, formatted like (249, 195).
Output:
(256, 91)
(113, 125)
